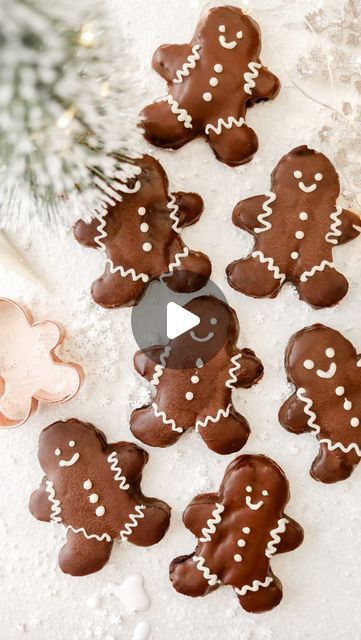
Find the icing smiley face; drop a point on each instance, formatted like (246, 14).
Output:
(307, 188)
(254, 506)
(70, 461)
(223, 41)
(321, 373)
(310, 171)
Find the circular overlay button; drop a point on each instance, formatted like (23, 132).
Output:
(189, 329)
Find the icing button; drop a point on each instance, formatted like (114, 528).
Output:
(294, 255)
(142, 211)
(303, 215)
(147, 247)
(246, 530)
(144, 227)
(93, 498)
(241, 542)
(218, 68)
(194, 379)
(238, 557)
(189, 395)
(340, 391)
(299, 235)
(214, 82)
(99, 511)
(87, 484)
(200, 363)
(57, 452)
(207, 97)
(355, 422)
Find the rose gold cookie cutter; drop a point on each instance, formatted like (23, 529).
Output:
(41, 395)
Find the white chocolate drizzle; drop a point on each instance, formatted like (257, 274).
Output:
(224, 124)
(321, 267)
(232, 371)
(221, 413)
(212, 523)
(133, 522)
(270, 265)
(211, 578)
(90, 536)
(192, 60)
(182, 115)
(55, 504)
(334, 232)
(250, 76)
(117, 470)
(267, 212)
(275, 538)
(167, 421)
(255, 586)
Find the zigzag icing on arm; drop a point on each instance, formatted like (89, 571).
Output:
(266, 225)
(133, 522)
(338, 445)
(308, 409)
(211, 578)
(174, 214)
(321, 267)
(232, 371)
(334, 232)
(55, 504)
(192, 60)
(255, 586)
(159, 368)
(221, 413)
(117, 470)
(250, 76)
(181, 114)
(90, 536)
(177, 260)
(210, 529)
(170, 422)
(270, 265)
(224, 124)
(275, 538)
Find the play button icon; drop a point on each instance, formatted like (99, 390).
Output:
(179, 320)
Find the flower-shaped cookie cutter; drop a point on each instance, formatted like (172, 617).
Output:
(30, 370)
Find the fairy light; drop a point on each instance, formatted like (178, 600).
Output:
(66, 118)
(87, 35)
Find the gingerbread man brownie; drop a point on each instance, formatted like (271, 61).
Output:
(239, 530)
(326, 371)
(93, 489)
(141, 238)
(296, 227)
(192, 379)
(211, 83)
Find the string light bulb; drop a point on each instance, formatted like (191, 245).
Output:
(87, 35)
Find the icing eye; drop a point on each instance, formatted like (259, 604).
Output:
(298, 175)
(57, 452)
(265, 492)
(239, 35)
(308, 364)
(222, 28)
(318, 177)
(213, 321)
(249, 489)
(71, 443)
(330, 353)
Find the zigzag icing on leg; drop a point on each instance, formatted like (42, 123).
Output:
(334, 232)
(192, 60)
(309, 274)
(255, 586)
(174, 213)
(210, 529)
(182, 115)
(307, 409)
(55, 504)
(250, 76)
(266, 225)
(167, 421)
(222, 413)
(177, 263)
(133, 522)
(270, 265)
(117, 470)
(224, 124)
(90, 536)
(159, 368)
(232, 371)
(338, 445)
(211, 578)
(275, 538)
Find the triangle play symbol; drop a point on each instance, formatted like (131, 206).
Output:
(179, 320)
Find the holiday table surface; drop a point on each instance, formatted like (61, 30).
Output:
(321, 579)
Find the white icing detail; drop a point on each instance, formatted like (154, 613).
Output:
(237, 557)
(218, 68)
(69, 463)
(306, 189)
(147, 247)
(309, 364)
(340, 391)
(294, 255)
(55, 504)
(330, 353)
(232, 371)
(347, 405)
(265, 492)
(329, 373)
(249, 489)
(207, 97)
(207, 338)
(358, 363)
(182, 115)
(90, 536)
(357, 228)
(71, 443)
(334, 232)
(100, 511)
(275, 538)
(177, 260)
(211, 578)
(241, 543)
(194, 379)
(239, 35)
(254, 505)
(255, 586)
(192, 60)
(250, 76)
(338, 445)
(297, 175)
(93, 498)
(142, 211)
(213, 321)
(271, 266)
(57, 451)
(318, 177)
(221, 413)
(165, 420)
(159, 368)
(267, 211)
(174, 213)
(213, 82)
(189, 395)
(222, 28)
(309, 274)
(303, 216)
(87, 484)
(200, 363)
(246, 530)
(227, 45)
(133, 522)
(224, 124)
(144, 227)
(212, 523)
(354, 422)
(299, 235)
(117, 470)
(308, 409)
